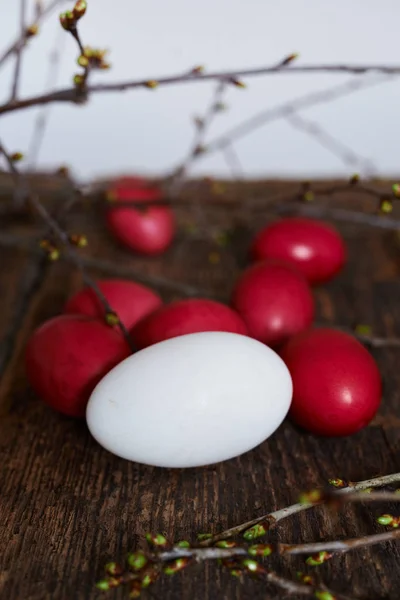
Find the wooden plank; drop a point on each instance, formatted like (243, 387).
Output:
(67, 506)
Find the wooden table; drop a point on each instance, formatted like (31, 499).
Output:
(67, 506)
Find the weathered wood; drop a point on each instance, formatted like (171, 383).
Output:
(67, 506)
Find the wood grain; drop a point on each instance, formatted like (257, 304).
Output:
(67, 506)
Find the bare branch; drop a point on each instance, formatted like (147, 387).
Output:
(19, 43)
(328, 141)
(340, 545)
(18, 56)
(73, 256)
(201, 127)
(338, 214)
(72, 95)
(42, 118)
(282, 111)
(271, 519)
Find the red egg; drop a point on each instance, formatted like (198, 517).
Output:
(131, 301)
(67, 356)
(147, 230)
(315, 248)
(274, 300)
(336, 382)
(186, 316)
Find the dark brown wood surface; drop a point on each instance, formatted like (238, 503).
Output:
(67, 506)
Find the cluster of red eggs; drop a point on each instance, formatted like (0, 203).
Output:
(337, 385)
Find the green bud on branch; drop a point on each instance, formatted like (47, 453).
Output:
(79, 9)
(255, 532)
(237, 82)
(67, 20)
(156, 540)
(204, 536)
(108, 584)
(16, 156)
(385, 206)
(151, 84)
(318, 559)
(389, 520)
(321, 595)
(252, 566)
(289, 59)
(354, 179)
(363, 329)
(32, 30)
(78, 240)
(304, 578)
(396, 190)
(177, 565)
(135, 589)
(226, 544)
(113, 568)
(183, 544)
(112, 319)
(261, 550)
(137, 561)
(103, 585)
(311, 497)
(341, 483)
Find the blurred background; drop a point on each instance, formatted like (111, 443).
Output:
(150, 131)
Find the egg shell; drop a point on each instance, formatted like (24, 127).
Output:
(130, 300)
(67, 356)
(186, 316)
(146, 230)
(337, 384)
(190, 401)
(314, 247)
(274, 300)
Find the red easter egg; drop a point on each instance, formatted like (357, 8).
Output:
(186, 316)
(147, 230)
(314, 247)
(274, 300)
(131, 301)
(67, 356)
(336, 382)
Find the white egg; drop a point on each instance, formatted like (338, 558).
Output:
(190, 401)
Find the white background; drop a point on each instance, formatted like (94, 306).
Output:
(150, 131)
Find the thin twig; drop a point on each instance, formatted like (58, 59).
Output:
(120, 270)
(281, 111)
(73, 256)
(72, 95)
(10, 240)
(233, 161)
(18, 54)
(328, 141)
(339, 545)
(43, 116)
(20, 42)
(213, 553)
(257, 204)
(338, 214)
(201, 127)
(271, 519)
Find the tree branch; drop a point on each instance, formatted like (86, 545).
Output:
(42, 118)
(339, 545)
(270, 520)
(282, 111)
(328, 141)
(110, 315)
(20, 42)
(18, 57)
(71, 94)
